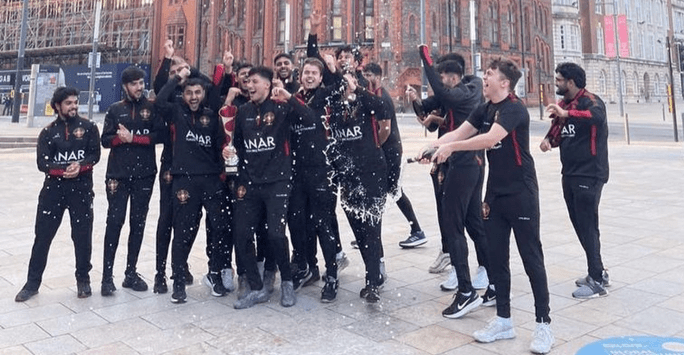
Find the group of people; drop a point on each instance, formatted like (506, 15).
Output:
(259, 150)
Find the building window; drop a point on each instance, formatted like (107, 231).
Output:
(176, 33)
(494, 24)
(602, 82)
(600, 40)
(306, 15)
(259, 11)
(513, 26)
(336, 31)
(281, 21)
(412, 27)
(368, 16)
(240, 11)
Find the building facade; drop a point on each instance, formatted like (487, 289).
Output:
(388, 32)
(61, 32)
(581, 36)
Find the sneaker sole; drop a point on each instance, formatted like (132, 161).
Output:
(465, 310)
(595, 295)
(177, 300)
(324, 300)
(413, 244)
(444, 288)
(509, 334)
(441, 267)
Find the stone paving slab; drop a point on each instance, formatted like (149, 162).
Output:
(642, 223)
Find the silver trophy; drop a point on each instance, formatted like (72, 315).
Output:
(231, 166)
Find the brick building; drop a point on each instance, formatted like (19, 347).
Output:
(387, 31)
(61, 32)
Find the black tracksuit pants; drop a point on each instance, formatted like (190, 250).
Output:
(191, 193)
(363, 199)
(165, 221)
(437, 174)
(582, 197)
(253, 204)
(519, 212)
(119, 191)
(311, 214)
(393, 159)
(462, 208)
(56, 196)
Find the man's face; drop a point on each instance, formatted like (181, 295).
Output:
(193, 96)
(283, 67)
(134, 89)
(242, 78)
(311, 77)
(450, 80)
(373, 79)
(494, 83)
(176, 68)
(561, 85)
(68, 108)
(346, 62)
(258, 88)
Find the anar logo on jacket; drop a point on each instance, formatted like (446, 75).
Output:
(204, 141)
(260, 144)
(348, 134)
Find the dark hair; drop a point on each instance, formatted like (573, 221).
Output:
(281, 55)
(242, 65)
(508, 69)
(572, 71)
(353, 50)
(452, 56)
(61, 94)
(194, 81)
(450, 67)
(132, 74)
(373, 68)
(262, 71)
(315, 62)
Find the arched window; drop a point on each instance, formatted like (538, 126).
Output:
(494, 24)
(513, 26)
(602, 82)
(412, 27)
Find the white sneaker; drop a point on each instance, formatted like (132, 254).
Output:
(227, 278)
(443, 260)
(451, 282)
(542, 339)
(481, 281)
(498, 328)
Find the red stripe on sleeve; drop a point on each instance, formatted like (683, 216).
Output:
(579, 113)
(593, 140)
(516, 148)
(142, 140)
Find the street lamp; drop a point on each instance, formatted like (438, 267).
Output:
(617, 52)
(670, 91)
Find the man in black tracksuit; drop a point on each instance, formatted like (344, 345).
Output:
(511, 201)
(170, 66)
(130, 131)
(391, 145)
(67, 150)
(580, 129)
(455, 100)
(313, 199)
(198, 141)
(460, 189)
(362, 173)
(262, 188)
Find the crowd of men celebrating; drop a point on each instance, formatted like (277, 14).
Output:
(259, 150)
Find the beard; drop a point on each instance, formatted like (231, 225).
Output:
(561, 91)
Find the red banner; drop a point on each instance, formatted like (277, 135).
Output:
(624, 36)
(609, 35)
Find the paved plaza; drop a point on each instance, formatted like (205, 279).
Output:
(642, 225)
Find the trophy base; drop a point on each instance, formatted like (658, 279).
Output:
(231, 170)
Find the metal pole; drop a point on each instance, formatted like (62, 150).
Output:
(96, 40)
(522, 44)
(450, 28)
(541, 90)
(35, 68)
(670, 92)
(627, 128)
(286, 48)
(20, 64)
(473, 35)
(617, 57)
(423, 88)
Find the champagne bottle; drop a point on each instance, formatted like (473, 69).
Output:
(426, 155)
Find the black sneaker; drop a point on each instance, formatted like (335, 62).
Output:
(300, 278)
(83, 288)
(24, 295)
(372, 294)
(179, 294)
(489, 297)
(329, 291)
(107, 288)
(134, 282)
(160, 284)
(415, 239)
(188, 277)
(315, 276)
(462, 305)
(215, 283)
